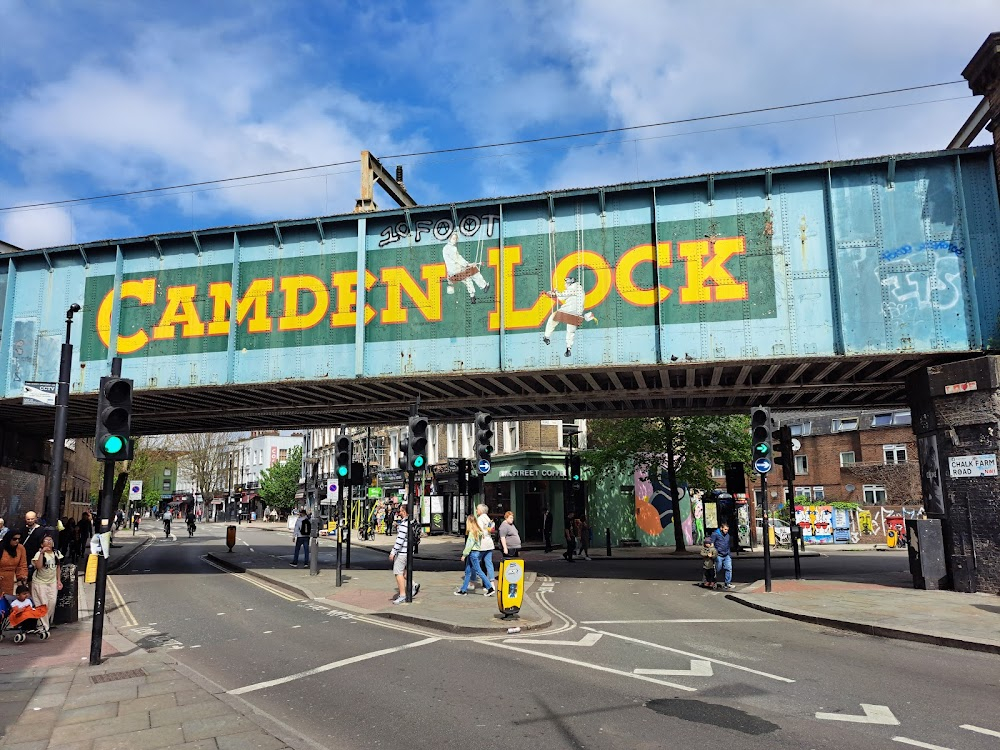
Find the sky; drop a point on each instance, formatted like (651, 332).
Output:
(103, 97)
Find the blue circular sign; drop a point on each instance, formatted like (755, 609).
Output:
(762, 465)
(484, 466)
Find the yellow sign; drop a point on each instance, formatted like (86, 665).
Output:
(511, 587)
(91, 575)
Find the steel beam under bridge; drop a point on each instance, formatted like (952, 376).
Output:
(812, 285)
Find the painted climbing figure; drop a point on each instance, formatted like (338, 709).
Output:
(459, 269)
(569, 310)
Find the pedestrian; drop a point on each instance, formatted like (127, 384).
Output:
(547, 528)
(569, 534)
(167, 517)
(47, 580)
(390, 518)
(720, 539)
(253, 516)
(119, 519)
(709, 555)
(13, 564)
(31, 537)
(471, 557)
(3, 530)
(510, 540)
(135, 522)
(398, 555)
(67, 538)
(84, 530)
(582, 530)
(486, 545)
(301, 533)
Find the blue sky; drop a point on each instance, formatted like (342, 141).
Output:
(104, 97)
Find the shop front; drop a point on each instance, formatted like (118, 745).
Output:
(526, 483)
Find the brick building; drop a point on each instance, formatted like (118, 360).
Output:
(867, 457)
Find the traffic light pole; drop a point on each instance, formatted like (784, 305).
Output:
(767, 534)
(54, 503)
(105, 511)
(792, 526)
(340, 517)
(410, 491)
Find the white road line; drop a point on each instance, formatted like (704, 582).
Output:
(655, 622)
(694, 656)
(253, 581)
(873, 714)
(918, 743)
(974, 728)
(589, 639)
(592, 666)
(327, 667)
(698, 668)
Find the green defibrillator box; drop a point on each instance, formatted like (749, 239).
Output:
(510, 590)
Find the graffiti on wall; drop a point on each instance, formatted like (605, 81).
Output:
(654, 515)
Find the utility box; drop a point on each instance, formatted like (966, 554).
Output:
(926, 550)
(67, 601)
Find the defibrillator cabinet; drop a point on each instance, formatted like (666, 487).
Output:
(510, 590)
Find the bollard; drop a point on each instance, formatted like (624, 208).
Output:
(607, 533)
(230, 537)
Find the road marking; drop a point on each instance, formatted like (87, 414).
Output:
(120, 604)
(598, 667)
(255, 582)
(589, 639)
(327, 667)
(695, 656)
(918, 743)
(873, 715)
(656, 622)
(974, 728)
(699, 668)
(194, 646)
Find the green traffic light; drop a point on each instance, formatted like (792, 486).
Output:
(342, 471)
(418, 461)
(113, 445)
(760, 448)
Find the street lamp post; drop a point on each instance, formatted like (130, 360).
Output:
(52, 507)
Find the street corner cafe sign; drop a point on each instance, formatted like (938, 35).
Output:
(427, 287)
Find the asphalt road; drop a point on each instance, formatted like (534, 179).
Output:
(718, 672)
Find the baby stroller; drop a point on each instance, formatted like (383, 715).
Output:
(23, 622)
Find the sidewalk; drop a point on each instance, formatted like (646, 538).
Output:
(50, 696)
(943, 618)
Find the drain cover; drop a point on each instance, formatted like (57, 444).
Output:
(113, 676)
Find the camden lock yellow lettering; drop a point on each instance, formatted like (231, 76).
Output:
(306, 300)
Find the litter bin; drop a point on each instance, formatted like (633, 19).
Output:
(926, 551)
(67, 609)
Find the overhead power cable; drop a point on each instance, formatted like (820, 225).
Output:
(481, 147)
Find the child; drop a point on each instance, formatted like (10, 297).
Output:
(23, 602)
(709, 553)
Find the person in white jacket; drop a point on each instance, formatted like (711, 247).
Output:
(486, 545)
(459, 269)
(570, 309)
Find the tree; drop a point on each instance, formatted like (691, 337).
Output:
(689, 448)
(207, 456)
(149, 456)
(279, 483)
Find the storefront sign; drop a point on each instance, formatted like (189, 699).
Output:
(532, 474)
(973, 466)
(960, 387)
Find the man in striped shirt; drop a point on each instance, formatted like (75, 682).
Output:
(398, 556)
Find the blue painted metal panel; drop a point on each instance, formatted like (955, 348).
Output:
(814, 261)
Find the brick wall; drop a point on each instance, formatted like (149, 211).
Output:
(20, 491)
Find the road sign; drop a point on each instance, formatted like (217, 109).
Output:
(39, 394)
(762, 465)
(796, 444)
(332, 487)
(374, 492)
(135, 491)
(484, 466)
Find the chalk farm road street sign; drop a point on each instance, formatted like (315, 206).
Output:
(984, 465)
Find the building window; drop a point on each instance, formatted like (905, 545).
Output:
(847, 458)
(166, 486)
(819, 494)
(394, 453)
(468, 438)
(283, 455)
(882, 420)
(718, 473)
(801, 464)
(453, 450)
(874, 494)
(166, 472)
(511, 436)
(901, 418)
(894, 454)
(803, 428)
(805, 493)
(845, 425)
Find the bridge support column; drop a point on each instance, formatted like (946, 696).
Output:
(956, 418)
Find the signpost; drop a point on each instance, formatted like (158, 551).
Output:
(484, 466)
(762, 465)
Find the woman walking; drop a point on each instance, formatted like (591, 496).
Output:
(510, 540)
(47, 580)
(471, 557)
(486, 545)
(13, 563)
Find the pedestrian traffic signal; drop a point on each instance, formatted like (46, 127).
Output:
(114, 420)
(760, 432)
(783, 455)
(575, 474)
(484, 436)
(343, 457)
(416, 446)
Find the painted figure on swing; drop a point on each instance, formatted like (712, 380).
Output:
(568, 310)
(459, 269)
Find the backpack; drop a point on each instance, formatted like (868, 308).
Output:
(305, 528)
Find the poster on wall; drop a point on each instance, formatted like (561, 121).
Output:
(711, 514)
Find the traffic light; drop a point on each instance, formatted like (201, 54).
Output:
(344, 458)
(760, 433)
(416, 445)
(783, 456)
(575, 474)
(357, 474)
(484, 436)
(114, 420)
